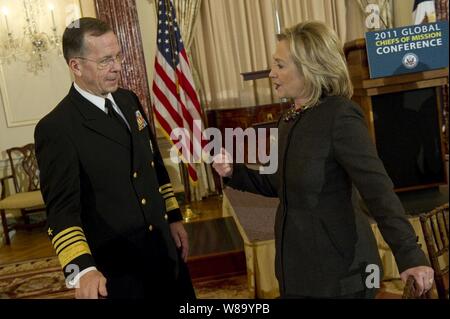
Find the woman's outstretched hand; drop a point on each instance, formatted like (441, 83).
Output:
(222, 163)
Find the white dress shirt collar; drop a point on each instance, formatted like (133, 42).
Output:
(98, 101)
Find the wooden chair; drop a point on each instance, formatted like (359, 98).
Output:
(435, 226)
(27, 197)
(409, 292)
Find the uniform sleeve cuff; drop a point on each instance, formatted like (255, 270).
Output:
(174, 216)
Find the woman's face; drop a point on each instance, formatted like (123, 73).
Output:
(286, 78)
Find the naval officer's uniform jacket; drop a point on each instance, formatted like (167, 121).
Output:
(108, 195)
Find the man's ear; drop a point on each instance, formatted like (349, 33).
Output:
(75, 66)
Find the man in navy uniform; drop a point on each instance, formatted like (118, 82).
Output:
(113, 218)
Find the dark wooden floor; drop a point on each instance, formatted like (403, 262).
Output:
(35, 243)
(27, 245)
(216, 247)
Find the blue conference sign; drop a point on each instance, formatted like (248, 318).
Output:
(410, 49)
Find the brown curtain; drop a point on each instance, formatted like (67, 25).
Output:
(233, 37)
(187, 12)
(239, 36)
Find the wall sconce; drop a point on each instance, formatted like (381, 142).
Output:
(28, 43)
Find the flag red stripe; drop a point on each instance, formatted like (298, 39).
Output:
(191, 170)
(163, 99)
(172, 87)
(190, 92)
(168, 128)
(169, 83)
(189, 85)
(168, 100)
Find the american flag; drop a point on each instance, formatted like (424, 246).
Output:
(175, 101)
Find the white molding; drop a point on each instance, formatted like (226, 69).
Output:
(7, 106)
(54, 80)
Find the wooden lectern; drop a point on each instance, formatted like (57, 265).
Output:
(404, 118)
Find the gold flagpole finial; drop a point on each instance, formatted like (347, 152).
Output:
(189, 215)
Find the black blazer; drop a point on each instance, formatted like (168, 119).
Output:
(103, 187)
(322, 246)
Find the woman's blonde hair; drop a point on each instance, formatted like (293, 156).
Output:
(318, 54)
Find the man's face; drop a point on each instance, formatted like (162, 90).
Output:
(94, 73)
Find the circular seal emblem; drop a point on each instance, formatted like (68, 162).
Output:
(410, 60)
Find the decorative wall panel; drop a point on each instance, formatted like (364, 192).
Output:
(122, 16)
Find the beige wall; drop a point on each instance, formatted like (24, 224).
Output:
(356, 29)
(148, 23)
(87, 8)
(25, 97)
(402, 12)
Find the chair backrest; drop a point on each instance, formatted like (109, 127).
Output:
(435, 227)
(409, 292)
(26, 174)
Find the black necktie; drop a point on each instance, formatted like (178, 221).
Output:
(114, 115)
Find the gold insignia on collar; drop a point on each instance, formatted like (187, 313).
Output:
(140, 121)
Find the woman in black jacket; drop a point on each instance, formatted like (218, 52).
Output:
(324, 249)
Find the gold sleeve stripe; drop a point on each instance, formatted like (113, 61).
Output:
(64, 232)
(69, 242)
(169, 190)
(164, 186)
(75, 250)
(61, 240)
(171, 204)
(171, 194)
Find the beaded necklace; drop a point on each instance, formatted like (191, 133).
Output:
(292, 114)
